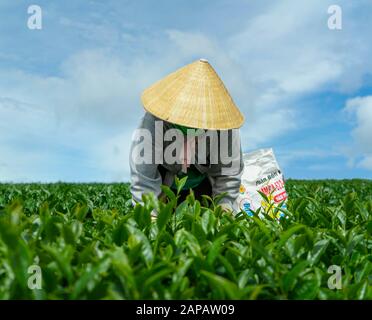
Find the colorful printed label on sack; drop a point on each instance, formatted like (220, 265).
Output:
(262, 174)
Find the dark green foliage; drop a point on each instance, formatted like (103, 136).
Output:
(91, 244)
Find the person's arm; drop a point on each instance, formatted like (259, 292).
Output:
(145, 177)
(226, 178)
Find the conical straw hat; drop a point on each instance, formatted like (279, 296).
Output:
(193, 96)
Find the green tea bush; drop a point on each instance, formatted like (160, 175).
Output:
(90, 243)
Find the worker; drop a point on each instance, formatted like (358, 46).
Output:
(190, 128)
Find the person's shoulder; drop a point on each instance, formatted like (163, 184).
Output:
(151, 122)
(150, 117)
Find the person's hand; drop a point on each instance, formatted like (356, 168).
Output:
(226, 208)
(154, 215)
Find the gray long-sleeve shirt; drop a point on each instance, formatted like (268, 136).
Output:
(146, 178)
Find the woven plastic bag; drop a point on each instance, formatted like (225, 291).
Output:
(262, 174)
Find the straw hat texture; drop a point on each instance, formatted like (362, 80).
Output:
(193, 96)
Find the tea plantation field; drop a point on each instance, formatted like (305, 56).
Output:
(85, 241)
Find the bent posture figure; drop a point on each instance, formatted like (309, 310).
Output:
(190, 128)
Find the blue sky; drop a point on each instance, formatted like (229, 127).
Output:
(69, 93)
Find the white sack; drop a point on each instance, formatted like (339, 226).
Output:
(261, 173)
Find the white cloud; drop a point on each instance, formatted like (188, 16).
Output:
(288, 157)
(366, 162)
(113, 154)
(93, 103)
(361, 109)
(286, 53)
(289, 46)
(90, 110)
